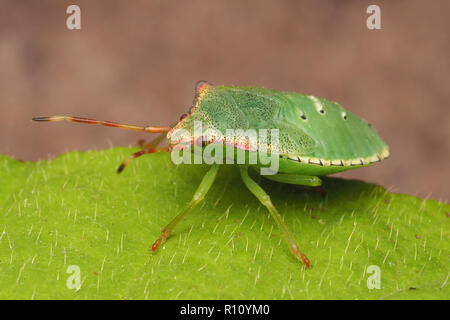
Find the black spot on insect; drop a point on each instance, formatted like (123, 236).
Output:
(322, 111)
(303, 117)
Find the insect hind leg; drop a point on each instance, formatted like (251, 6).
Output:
(262, 196)
(301, 180)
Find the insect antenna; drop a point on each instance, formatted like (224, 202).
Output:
(103, 123)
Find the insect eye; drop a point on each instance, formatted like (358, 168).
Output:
(303, 117)
(322, 111)
(344, 116)
(183, 116)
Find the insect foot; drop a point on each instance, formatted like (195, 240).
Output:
(296, 251)
(162, 238)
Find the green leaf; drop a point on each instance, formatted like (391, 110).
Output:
(75, 210)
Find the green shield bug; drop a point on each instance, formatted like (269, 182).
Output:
(314, 137)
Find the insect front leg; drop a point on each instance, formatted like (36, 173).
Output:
(199, 194)
(265, 200)
(137, 155)
(153, 144)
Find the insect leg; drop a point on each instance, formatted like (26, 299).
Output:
(199, 194)
(155, 142)
(103, 123)
(137, 155)
(265, 200)
(301, 180)
(152, 144)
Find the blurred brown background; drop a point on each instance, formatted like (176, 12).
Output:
(137, 62)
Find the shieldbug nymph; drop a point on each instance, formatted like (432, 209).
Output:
(316, 137)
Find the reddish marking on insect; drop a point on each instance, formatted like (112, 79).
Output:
(85, 120)
(243, 144)
(109, 124)
(296, 251)
(306, 261)
(184, 115)
(162, 238)
(199, 141)
(155, 245)
(200, 89)
(202, 86)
